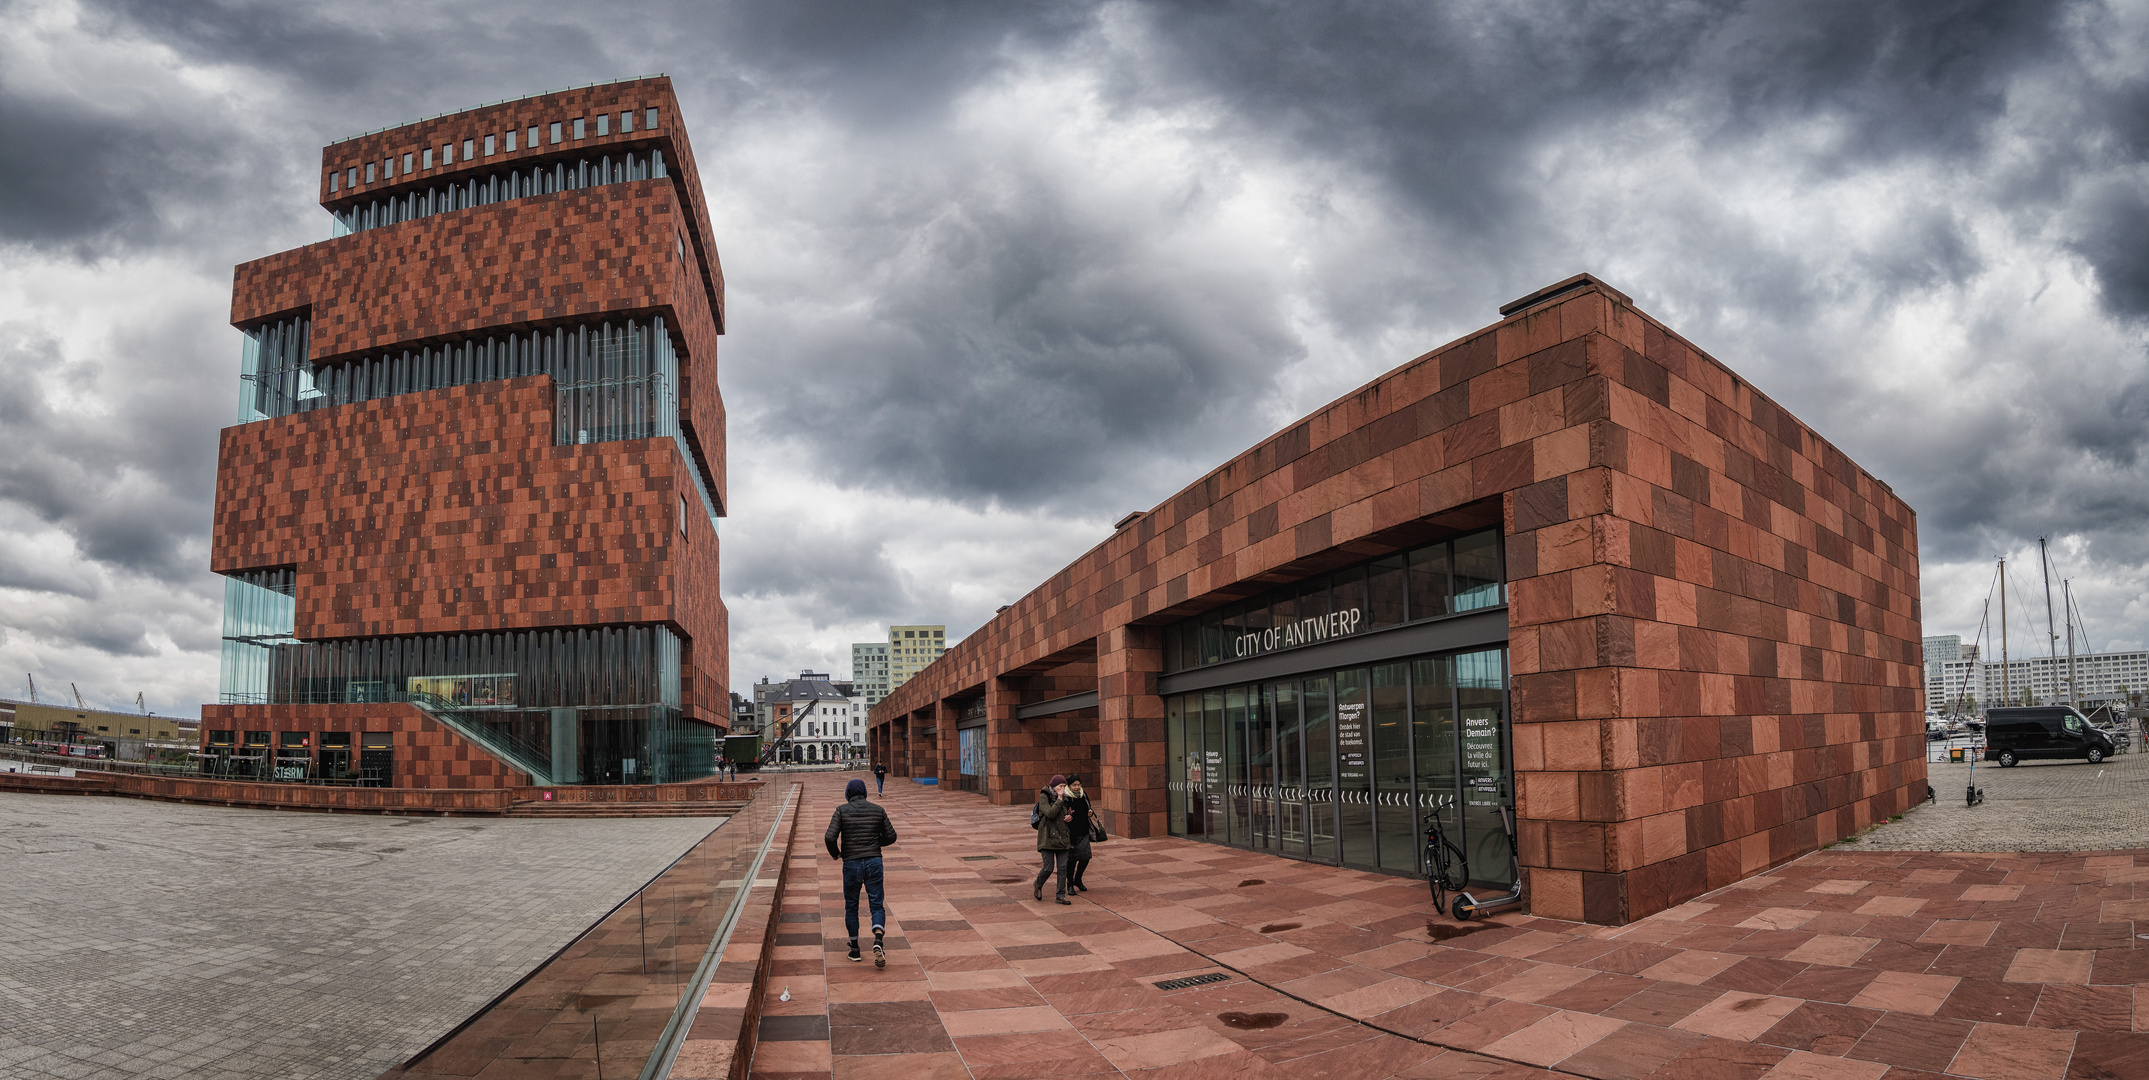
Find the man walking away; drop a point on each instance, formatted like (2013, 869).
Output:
(880, 778)
(856, 833)
(1052, 838)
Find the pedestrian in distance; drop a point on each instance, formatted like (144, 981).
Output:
(1078, 830)
(857, 832)
(880, 778)
(1054, 845)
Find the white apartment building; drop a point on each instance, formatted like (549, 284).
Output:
(2097, 678)
(869, 670)
(813, 718)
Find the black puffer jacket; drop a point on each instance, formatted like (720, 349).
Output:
(1078, 817)
(861, 828)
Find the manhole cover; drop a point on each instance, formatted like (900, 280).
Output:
(1193, 980)
(1252, 1021)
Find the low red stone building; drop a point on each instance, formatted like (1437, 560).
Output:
(1568, 565)
(468, 516)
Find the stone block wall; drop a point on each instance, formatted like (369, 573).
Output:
(1713, 620)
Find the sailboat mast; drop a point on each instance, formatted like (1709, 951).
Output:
(2007, 679)
(2074, 693)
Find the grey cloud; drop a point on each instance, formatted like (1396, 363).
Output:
(826, 575)
(987, 331)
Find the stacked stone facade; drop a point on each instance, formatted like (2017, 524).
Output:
(453, 510)
(1713, 619)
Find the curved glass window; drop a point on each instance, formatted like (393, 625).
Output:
(482, 189)
(613, 380)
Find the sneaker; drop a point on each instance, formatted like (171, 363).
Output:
(854, 952)
(880, 953)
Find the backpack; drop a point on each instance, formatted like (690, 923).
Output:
(1037, 818)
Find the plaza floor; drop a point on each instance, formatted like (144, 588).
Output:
(2041, 805)
(1844, 964)
(148, 939)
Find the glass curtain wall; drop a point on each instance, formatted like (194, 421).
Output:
(1349, 766)
(481, 189)
(260, 613)
(615, 690)
(613, 380)
(1452, 577)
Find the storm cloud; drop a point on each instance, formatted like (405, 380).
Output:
(1000, 273)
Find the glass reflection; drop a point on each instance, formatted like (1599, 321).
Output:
(1348, 767)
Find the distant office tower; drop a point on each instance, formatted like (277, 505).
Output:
(910, 648)
(467, 518)
(869, 670)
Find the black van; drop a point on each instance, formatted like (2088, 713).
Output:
(2049, 731)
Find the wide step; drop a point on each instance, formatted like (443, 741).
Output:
(540, 808)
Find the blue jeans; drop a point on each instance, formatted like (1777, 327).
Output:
(863, 874)
(880, 783)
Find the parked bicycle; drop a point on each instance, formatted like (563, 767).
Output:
(1447, 869)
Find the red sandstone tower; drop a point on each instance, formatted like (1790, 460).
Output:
(468, 516)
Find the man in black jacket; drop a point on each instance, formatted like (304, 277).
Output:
(856, 833)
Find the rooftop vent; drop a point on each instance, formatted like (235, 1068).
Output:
(1128, 520)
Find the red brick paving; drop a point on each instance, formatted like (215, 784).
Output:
(1875, 965)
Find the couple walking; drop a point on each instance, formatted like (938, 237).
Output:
(1065, 828)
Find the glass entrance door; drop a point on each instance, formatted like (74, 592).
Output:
(1481, 705)
(1351, 766)
(1354, 766)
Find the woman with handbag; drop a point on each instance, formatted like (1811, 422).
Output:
(1083, 828)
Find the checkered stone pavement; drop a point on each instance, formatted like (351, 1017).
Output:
(2035, 806)
(157, 940)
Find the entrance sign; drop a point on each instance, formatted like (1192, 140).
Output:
(1351, 737)
(1303, 632)
(1482, 770)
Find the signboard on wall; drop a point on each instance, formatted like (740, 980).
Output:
(1484, 773)
(1292, 635)
(1351, 738)
(464, 691)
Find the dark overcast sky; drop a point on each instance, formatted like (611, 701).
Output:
(1000, 273)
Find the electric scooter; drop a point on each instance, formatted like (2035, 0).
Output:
(1466, 906)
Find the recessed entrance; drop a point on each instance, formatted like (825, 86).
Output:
(1349, 766)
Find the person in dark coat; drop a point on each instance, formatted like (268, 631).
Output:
(1053, 842)
(1078, 823)
(857, 832)
(880, 778)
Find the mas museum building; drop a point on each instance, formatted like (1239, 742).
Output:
(1569, 565)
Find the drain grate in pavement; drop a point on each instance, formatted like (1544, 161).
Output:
(978, 858)
(1193, 980)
